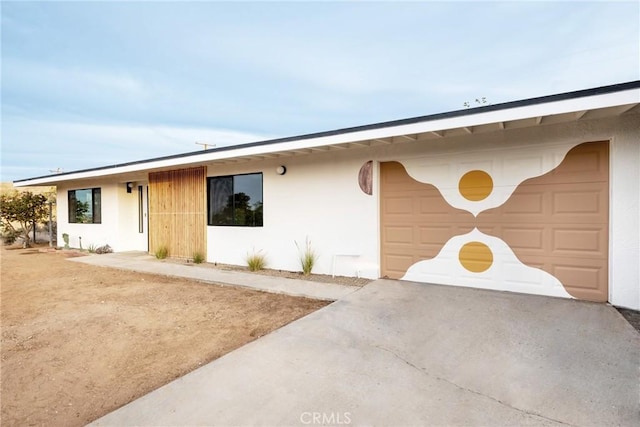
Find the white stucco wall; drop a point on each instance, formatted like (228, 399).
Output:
(129, 237)
(119, 226)
(318, 198)
(624, 221)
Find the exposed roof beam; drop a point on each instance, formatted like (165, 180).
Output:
(501, 125)
(235, 161)
(539, 120)
(382, 141)
(359, 144)
(259, 157)
(468, 129)
(624, 108)
(410, 138)
(580, 114)
(320, 148)
(305, 151)
(437, 133)
(337, 147)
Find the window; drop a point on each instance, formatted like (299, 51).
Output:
(235, 200)
(85, 206)
(140, 210)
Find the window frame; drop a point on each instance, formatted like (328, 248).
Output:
(95, 213)
(233, 176)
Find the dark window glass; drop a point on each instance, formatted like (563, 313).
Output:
(235, 200)
(85, 206)
(140, 211)
(97, 206)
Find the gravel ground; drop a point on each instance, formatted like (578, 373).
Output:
(321, 278)
(632, 316)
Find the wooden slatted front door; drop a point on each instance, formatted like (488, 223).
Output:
(178, 211)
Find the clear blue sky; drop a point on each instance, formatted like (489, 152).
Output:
(87, 84)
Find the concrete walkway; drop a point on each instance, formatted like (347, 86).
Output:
(143, 262)
(400, 353)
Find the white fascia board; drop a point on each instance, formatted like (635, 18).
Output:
(625, 97)
(518, 113)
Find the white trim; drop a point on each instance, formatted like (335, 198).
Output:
(610, 224)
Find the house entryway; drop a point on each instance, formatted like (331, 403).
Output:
(177, 211)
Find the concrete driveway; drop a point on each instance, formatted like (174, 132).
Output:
(399, 353)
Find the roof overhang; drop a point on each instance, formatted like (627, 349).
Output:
(588, 104)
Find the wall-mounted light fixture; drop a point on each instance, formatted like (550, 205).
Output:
(281, 170)
(129, 187)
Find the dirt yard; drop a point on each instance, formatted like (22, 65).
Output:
(80, 341)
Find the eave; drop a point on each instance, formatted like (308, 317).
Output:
(589, 104)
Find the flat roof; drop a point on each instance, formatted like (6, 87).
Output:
(430, 123)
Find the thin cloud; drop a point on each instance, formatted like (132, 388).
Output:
(70, 146)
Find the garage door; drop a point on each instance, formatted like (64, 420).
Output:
(556, 222)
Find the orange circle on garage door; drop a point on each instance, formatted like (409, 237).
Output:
(476, 257)
(475, 185)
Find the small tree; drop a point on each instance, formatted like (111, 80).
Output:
(24, 208)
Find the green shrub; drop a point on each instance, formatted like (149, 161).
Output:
(162, 252)
(10, 235)
(198, 257)
(308, 257)
(256, 261)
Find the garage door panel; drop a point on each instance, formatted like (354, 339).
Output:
(463, 220)
(578, 202)
(522, 207)
(587, 277)
(432, 204)
(399, 205)
(582, 281)
(589, 163)
(397, 265)
(399, 234)
(549, 204)
(579, 240)
(575, 240)
(525, 203)
(524, 238)
(434, 234)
